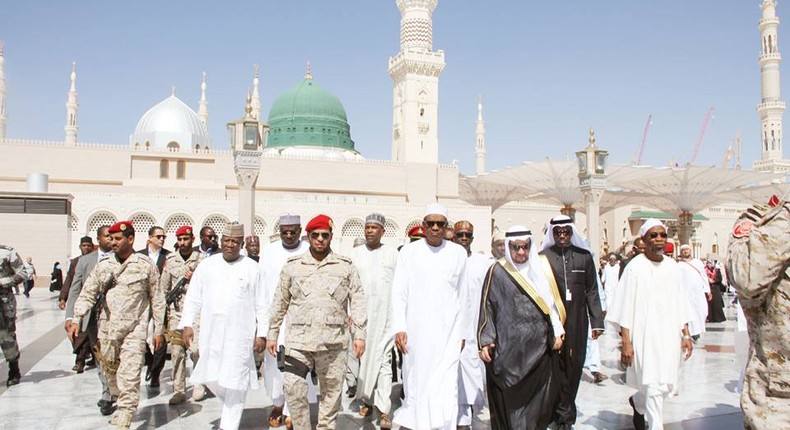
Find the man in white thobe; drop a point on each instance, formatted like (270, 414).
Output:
(697, 289)
(652, 313)
(471, 369)
(272, 259)
(376, 263)
(227, 292)
(427, 324)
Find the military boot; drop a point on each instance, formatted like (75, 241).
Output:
(13, 373)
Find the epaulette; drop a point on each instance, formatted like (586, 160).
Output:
(145, 258)
(345, 259)
(294, 258)
(105, 257)
(756, 212)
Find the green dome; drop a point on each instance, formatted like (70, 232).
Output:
(308, 115)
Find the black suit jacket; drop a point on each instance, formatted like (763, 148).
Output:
(160, 262)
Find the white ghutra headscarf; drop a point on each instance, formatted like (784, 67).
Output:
(577, 239)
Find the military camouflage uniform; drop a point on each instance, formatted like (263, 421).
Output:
(315, 295)
(12, 272)
(123, 323)
(174, 270)
(757, 265)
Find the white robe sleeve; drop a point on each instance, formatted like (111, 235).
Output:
(261, 303)
(193, 299)
(400, 294)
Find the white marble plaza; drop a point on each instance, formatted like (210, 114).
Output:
(51, 396)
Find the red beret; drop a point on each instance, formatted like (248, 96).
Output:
(120, 226)
(184, 230)
(669, 248)
(416, 231)
(320, 222)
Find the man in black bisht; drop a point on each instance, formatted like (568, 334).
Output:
(575, 275)
(519, 337)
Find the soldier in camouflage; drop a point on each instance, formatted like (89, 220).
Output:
(126, 285)
(13, 271)
(758, 266)
(315, 291)
(180, 265)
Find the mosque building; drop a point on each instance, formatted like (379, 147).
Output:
(170, 173)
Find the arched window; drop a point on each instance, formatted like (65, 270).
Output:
(142, 222)
(164, 169)
(136, 146)
(147, 145)
(259, 227)
(173, 147)
(100, 218)
(175, 221)
(353, 228)
(181, 169)
(216, 221)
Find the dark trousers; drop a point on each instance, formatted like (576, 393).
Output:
(571, 369)
(155, 362)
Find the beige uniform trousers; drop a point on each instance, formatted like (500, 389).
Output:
(125, 382)
(178, 354)
(330, 366)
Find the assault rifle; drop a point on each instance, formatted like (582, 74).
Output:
(101, 298)
(174, 295)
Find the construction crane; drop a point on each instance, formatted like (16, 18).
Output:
(701, 136)
(644, 139)
(733, 150)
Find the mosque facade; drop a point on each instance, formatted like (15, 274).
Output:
(170, 174)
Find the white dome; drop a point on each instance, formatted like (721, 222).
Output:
(323, 153)
(171, 115)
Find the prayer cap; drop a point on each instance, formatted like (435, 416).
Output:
(669, 248)
(416, 231)
(650, 223)
(463, 226)
(376, 218)
(359, 241)
(290, 219)
(184, 230)
(435, 209)
(684, 246)
(233, 229)
(320, 222)
(120, 226)
(86, 239)
(498, 236)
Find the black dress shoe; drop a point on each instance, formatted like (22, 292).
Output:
(14, 374)
(106, 407)
(351, 392)
(639, 419)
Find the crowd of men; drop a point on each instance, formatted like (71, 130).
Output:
(512, 328)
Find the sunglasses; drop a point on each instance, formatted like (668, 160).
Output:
(524, 247)
(464, 234)
(431, 224)
(323, 235)
(210, 236)
(654, 235)
(160, 236)
(562, 232)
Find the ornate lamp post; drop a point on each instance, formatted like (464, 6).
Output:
(592, 183)
(247, 138)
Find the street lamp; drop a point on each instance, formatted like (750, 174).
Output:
(592, 183)
(247, 139)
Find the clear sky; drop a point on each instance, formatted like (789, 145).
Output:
(547, 70)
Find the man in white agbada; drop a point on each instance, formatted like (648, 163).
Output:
(652, 312)
(376, 264)
(272, 260)
(471, 369)
(696, 287)
(227, 292)
(427, 325)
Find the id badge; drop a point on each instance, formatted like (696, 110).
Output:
(568, 296)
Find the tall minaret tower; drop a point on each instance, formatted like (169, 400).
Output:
(71, 109)
(771, 107)
(2, 93)
(480, 141)
(203, 104)
(256, 98)
(415, 74)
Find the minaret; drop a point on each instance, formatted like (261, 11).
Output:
(256, 98)
(771, 107)
(2, 93)
(203, 105)
(71, 109)
(480, 143)
(415, 74)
